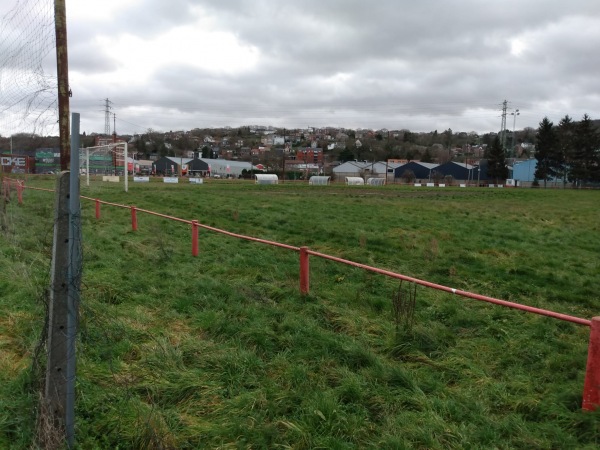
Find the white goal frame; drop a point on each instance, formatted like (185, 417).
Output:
(110, 147)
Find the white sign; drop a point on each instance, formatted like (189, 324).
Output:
(110, 178)
(463, 185)
(418, 184)
(196, 180)
(441, 185)
(171, 180)
(430, 184)
(141, 179)
(13, 161)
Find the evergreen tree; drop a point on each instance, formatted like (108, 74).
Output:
(546, 141)
(497, 169)
(427, 157)
(584, 164)
(347, 154)
(562, 155)
(163, 150)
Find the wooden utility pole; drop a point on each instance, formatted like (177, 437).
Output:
(59, 394)
(62, 70)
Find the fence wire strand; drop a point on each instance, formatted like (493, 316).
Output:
(28, 80)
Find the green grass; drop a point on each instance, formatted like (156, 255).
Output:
(221, 351)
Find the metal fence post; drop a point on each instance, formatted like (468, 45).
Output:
(304, 271)
(74, 279)
(58, 342)
(591, 387)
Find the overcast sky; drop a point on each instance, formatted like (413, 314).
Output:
(420, 65)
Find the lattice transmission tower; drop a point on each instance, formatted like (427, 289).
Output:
(503, 125)
(107, 108)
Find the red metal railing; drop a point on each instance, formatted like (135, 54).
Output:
(591, 394)
(439, 287)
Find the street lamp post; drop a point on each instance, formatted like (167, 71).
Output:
(305, 166)
(515, 113)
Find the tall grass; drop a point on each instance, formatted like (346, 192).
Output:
(221, 351)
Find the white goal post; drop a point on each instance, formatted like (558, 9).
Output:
(105, 147)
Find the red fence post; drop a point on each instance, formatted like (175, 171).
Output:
(133, 218)
(97, 209)
(194, 238)
(591, 387)
(304, 271)
(20, 192)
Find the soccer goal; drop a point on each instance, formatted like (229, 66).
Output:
(110, 161)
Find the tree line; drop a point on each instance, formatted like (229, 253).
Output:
(569, 152)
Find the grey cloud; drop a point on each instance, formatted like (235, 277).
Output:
(402, 59)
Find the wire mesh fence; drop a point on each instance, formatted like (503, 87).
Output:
(28, 81)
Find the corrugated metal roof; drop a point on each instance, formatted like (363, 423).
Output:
(464, 165)
(227, 162)
(178, 160)
(426, 165)
(352, 166)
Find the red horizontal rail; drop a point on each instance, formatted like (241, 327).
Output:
(164, 216)
(118, 205)
(38, 189)
(250, 238)
(439, 287)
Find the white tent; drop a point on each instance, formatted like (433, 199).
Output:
(355, 181)
(319, 180)
(267, 178)
(376, 181)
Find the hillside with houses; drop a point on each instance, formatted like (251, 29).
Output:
(296, 154)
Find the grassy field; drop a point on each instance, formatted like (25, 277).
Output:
(221, 351)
